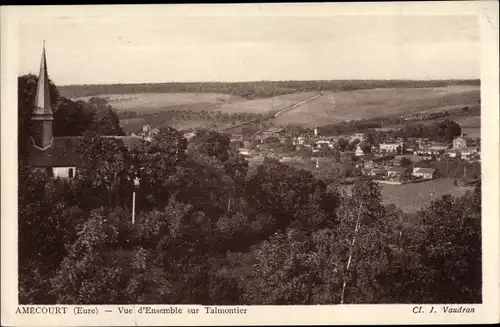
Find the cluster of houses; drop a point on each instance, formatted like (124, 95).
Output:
(394, 170)
(381, 162)
(462, 147)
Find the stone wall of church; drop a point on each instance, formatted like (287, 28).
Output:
(64, 172)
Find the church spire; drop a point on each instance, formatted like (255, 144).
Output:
(42, 100)
(42, 116)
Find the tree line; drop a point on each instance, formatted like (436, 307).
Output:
(163, 118)
(442, 131)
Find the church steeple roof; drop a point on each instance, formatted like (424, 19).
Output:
(42, 100)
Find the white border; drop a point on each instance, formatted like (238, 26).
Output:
(487, 312)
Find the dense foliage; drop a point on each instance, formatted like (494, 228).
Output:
(207, 233)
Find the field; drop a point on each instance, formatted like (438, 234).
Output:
(333, 107)
(412, 197)
(151, 102)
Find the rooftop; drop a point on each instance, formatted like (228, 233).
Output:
(275, 130)
(398, 170)
(424, 170)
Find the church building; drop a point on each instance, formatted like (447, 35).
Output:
(57, 155)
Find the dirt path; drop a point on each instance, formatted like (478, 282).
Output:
(271, 116)
(296, 105)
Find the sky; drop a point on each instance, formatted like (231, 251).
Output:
(164, 45)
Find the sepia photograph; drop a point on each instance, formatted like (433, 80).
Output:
(261, 159)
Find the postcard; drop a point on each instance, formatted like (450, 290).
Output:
(250, 164)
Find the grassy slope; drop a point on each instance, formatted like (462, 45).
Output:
(150, 102)
(336, 106)
(267, 105)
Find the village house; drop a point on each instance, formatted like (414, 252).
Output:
(236, 144)
(386, 129)
(396, 172)
(421, 140)
(359, 152)
(236, 137)
(357, 136)
(424, 173)
(368, 164)
(373, 172)
(469, 153)
(394, 163)
(328, 143)
(461, 142)
(390, 146)
(189, 135)
(244, 151)
(299, 140)
(432, 150)
(274, 131)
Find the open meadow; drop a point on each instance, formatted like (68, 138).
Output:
(151, 102)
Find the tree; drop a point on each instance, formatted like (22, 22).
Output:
(158, 164)
(342, 144)
(272, 140)
(102, 266)
(284, 192)
(217, 146)
(401, 149)
(105, 120)
(365, 242)
(346, 168)
(406, 163)
(72, 118)
(366, 148)
(449, 129)
(352, 146)
(45, 229)
(290, 269)
(102, 176)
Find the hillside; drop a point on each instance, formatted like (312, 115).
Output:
(333, 107)
(172, 109)
(251, 90)
(153, 102)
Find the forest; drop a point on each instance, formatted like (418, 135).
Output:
(209, 231)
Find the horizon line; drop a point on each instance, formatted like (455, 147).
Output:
(477, 79)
